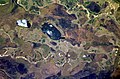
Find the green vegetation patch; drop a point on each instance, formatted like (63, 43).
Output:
(117, 1)
(69, 3)
(6, 9)
(2, 40)
(46, 50)
(4, 1)
(117, 15)
(33, 5)
(19, 41)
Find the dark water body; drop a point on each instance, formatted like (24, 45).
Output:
(55, 33)
(94, 7)
(36, 45)
(53, 43)
(21, 68)
(11, 67)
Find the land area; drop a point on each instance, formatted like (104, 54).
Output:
(90, 42)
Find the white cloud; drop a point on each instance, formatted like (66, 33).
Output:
(22, 23)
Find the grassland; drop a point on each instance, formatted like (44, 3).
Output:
(6, 9)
